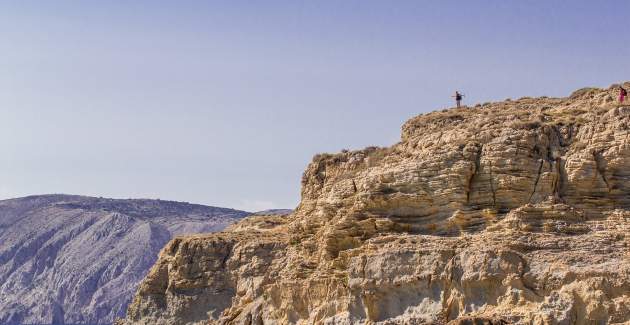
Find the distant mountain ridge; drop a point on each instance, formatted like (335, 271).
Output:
(274, 212)
(68, 259)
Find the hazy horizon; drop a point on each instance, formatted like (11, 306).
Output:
(224, 103)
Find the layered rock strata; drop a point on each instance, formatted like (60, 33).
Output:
(509, 212)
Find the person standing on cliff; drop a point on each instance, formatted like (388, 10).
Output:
(458, 98)
(622, 94)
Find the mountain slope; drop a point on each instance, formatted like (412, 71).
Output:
(510, 212)
(73, 259)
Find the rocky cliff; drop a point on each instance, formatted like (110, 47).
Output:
(509, 212)
(78, 260)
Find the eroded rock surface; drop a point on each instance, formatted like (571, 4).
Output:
(78, 260)
(510, 212)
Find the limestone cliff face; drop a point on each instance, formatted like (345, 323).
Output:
(510, 212)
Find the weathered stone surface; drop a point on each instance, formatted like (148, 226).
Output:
(510, 212)
(78, 260)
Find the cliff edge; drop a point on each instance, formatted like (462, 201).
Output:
(508, 212)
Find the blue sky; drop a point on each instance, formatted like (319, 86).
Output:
(225, 102)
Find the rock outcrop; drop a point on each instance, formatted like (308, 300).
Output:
(78, 260)
(509, 212)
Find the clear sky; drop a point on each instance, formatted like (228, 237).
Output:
(225, 102)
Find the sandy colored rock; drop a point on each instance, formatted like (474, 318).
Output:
(510, 212)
